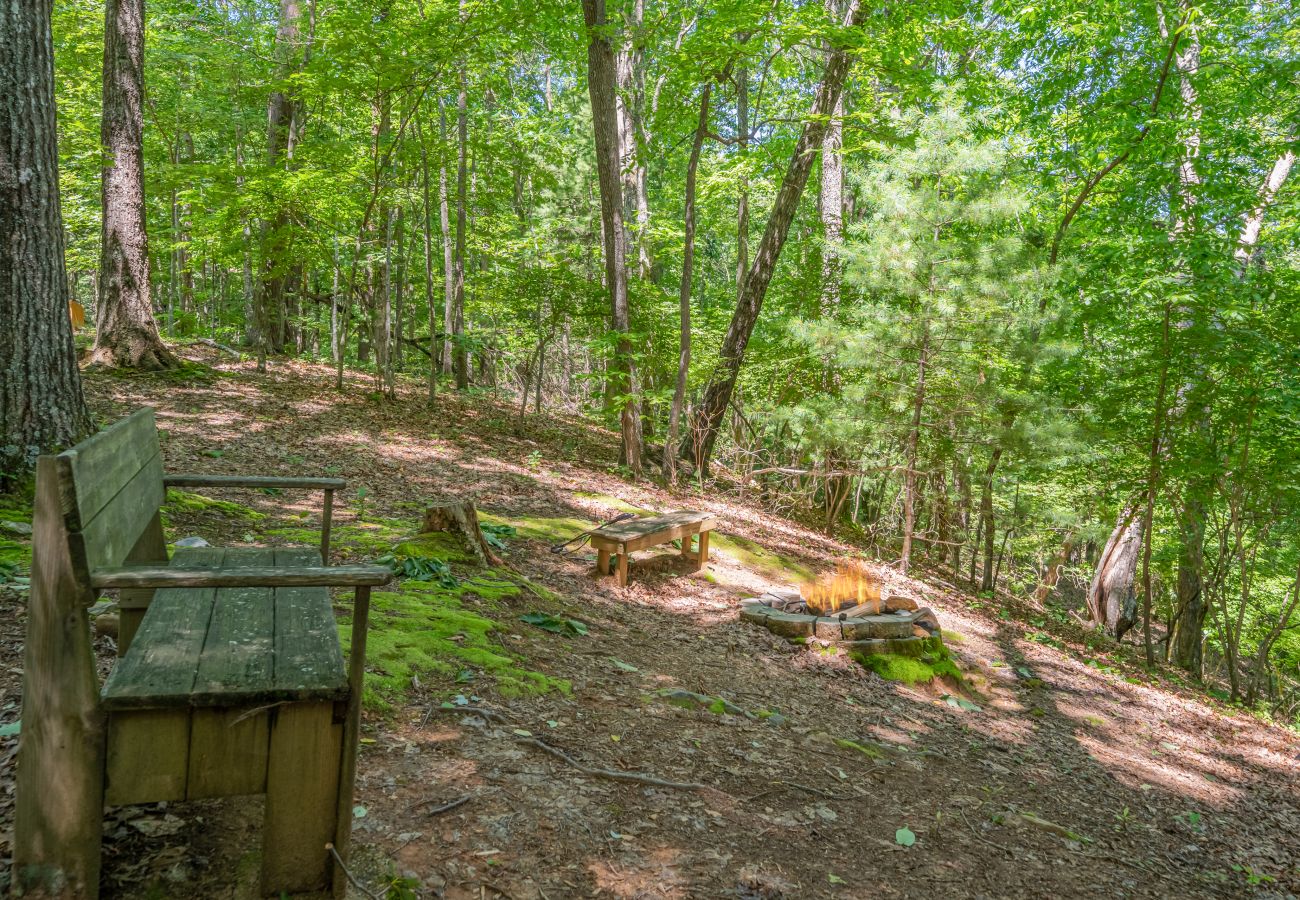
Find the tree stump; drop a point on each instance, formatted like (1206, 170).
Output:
(460, 517)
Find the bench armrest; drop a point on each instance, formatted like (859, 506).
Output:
(254, 481)
(157, 577)
(328, 485)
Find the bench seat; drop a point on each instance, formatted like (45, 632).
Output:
(228, 646)
(624, 538)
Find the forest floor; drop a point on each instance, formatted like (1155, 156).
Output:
(1063, 769)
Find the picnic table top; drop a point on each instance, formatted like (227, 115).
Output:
(635, 528)
(217, 646)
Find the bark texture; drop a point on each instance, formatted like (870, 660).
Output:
(126, 335)
(1112, 601)
(684, 297)
(602, 86)
(41, 405)
(708, 417)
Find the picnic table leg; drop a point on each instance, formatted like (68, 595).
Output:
(602, 561)
(622, 568)
(702, 557)
(686, 547)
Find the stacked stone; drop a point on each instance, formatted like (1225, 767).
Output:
(874, 627)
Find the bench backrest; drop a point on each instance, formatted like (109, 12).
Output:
(110, 487)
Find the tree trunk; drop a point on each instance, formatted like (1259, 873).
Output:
(41, 404)
(460, 362)
(986, 519)
(602, 86)
(1112, 602)
(1054, 568)
(630, 103)
(742, 199)
(127, 335)
(427, 226)
(448, 256)
(684, 295)
(708, 417)
(280, 136)
(913, 442)
(831, 197)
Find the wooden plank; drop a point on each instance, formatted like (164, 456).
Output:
(635, 528)
(60, 781)
(308, 661)
(702, 558)
(163, 660)
(228, 752)
(95, 470)
(238, 654)
(148, 756)
(302, 785)
(113, 532)
(665, 535)
(255, 481)
(181, 575)
(151, 547)
(351, 737)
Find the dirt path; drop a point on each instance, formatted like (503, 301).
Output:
(1076, 775)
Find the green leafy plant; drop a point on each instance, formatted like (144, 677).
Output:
(548, 622)
(495, 535)
(420, 568)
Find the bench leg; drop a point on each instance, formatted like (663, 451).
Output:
(59, 808)
(687, 553)
(602, 561)
(302, 784)
(702, 558)
(622, 568)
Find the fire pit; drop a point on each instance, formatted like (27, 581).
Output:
(845, 609)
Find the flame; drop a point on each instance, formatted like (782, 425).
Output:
(851, 585)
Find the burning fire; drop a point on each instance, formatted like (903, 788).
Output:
(851, 585)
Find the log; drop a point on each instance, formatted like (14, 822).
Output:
(460, 517)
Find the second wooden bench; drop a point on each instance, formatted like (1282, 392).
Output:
(625, 538)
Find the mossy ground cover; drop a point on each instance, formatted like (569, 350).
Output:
(15, 546)
(923, 661)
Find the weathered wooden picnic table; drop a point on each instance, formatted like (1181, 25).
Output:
(230, 680)
(625, 538)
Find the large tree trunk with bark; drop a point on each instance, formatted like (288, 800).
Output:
(126, 334)
(684, 296)
(708, 417)
(602, 86)
(1112, 602)
(41, 404)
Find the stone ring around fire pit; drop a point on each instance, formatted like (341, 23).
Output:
(784, 612)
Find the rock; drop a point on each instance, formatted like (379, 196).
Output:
(895, 602)
(867, 627)
(926, 619)
(15, 527)
(782, 623)
(106, 625)
(188, 542)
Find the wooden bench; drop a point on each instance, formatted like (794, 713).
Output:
(625, 538)
(230, 679)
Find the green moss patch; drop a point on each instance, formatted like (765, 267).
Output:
(912, 663)
(186, 502)
(364, 538)
(542, 528)
(424, 631)
(614, 503)
(772, 566)
(15, 544)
